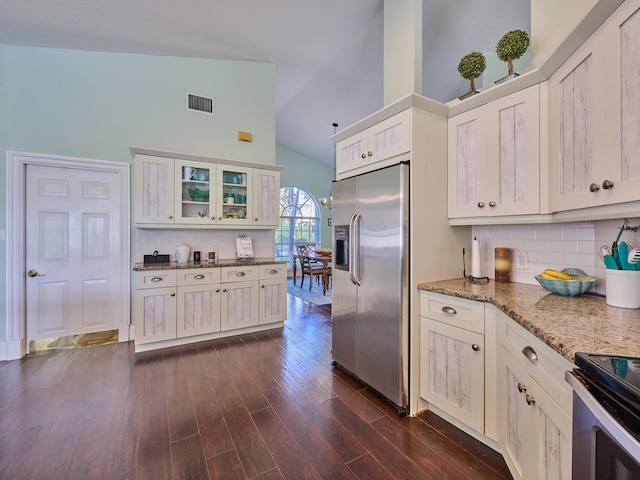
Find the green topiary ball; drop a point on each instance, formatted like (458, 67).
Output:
(512, 45)
(472, 65)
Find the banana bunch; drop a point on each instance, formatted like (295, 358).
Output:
(555, 275)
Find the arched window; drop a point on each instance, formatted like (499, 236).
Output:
(299, 221)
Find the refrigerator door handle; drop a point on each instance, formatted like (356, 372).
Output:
(354, 249)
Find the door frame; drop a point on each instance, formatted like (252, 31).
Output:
(16, 318)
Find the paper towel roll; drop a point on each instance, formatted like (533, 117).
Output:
(475, 258)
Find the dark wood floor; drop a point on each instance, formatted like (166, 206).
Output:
(263, 406)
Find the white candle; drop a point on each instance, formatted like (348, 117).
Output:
(475, 258)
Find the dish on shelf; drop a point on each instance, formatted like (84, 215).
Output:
(198, 194)
(580, 283)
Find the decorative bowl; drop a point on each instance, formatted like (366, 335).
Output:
(198, 195)
(569, 288)
(323, 251)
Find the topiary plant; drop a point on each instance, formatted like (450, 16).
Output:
(512, 46)
(471, 66)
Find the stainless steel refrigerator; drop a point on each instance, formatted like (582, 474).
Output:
(370, 298)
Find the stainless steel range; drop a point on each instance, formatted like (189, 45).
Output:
(606, 417)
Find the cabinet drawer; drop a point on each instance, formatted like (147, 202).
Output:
(155, 279)
(459, 312)
(548, 368)
(239, 274)
(273, 271)
(198, 276)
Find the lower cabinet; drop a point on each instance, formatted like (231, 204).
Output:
(178, 304)
(483, 371)
(535, 427)
(452, 367)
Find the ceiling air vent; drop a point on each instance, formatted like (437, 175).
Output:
(199, 104)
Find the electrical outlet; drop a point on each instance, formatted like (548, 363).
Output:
(522, 260)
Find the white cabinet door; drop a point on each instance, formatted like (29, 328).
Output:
(454, 368)
(198, 310)
(273, 300)
(155, 314)
(195, 199)
(386, 139)
(234, 195)
(494, 157)
(594, 107)
(266, 197)
(154, 190)
(239, 305)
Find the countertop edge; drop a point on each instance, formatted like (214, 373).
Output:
(141, 267)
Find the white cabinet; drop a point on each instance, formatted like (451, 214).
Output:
(179, 192)
(155, 306)
(266, 197)
(452, 365)
(176, 306)
(239, 299)
(386, 139)
(273, 294)
(494, 157)
(154, 190)
(535, 427)
(198, 294)
(594, 111)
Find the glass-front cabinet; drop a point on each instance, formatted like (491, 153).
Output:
(234, 195)
(196, 192)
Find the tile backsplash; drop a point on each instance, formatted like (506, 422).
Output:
(166, 240)
(557, 246)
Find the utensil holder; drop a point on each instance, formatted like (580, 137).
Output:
(623, 288)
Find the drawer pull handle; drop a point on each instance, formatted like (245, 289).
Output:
(449, 310)
(475, 347)
(522, 387)
(199, 277)
(273, 271)
(156, 279)
(240, 274)
(530, 399)
(530, 353)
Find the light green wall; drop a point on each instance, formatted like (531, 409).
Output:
(97, 105)
(312, 175)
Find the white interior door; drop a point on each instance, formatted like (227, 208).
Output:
(73, 251)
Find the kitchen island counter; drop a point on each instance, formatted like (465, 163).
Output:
(584, 323)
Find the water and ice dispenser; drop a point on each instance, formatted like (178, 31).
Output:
(341, 247)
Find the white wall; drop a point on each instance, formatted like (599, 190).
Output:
(554, 246)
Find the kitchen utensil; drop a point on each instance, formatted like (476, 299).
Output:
(634, 257)
(623, 254)
(606, 255)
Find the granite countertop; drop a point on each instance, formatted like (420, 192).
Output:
(230, 262)
(584, 323)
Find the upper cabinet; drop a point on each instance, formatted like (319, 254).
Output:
(386, 139)
(494, 157)
(594, 113)
(171, 193)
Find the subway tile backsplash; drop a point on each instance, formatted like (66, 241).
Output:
(557, 246)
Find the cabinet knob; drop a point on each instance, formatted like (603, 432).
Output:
(522, 387)
(449, 310)
(530, 399)
(217, 290)
(530, 353)
(262, 286)
(219, 218)
(492, 203)
(594, 187)
(170, 217)
(607, 184)
(475, 347)
(481, 204)
(224, 289)
(363, 155)
(173, 294)
(255, 219)
(369, 154)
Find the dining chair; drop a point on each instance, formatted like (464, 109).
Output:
(307, 267)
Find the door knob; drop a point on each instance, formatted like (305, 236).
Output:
(34, 273)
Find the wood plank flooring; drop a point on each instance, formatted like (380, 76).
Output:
(260, 406)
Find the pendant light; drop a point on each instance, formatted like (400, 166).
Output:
(328, 203)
